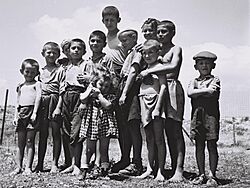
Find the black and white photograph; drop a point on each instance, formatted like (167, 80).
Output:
(126, 93)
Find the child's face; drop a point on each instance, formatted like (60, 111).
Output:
(163, 34)
(110, 22)
(150, 55)
(204, 66)
(149, 32)
(96, 44)
(104, 86)
(51, 55)
(76, 50)
(29, 73)
(127, 42)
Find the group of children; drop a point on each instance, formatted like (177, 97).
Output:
(112, 94)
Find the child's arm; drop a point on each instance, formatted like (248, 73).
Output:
(61, 80)
(158, 107)
(37, 101)
(193, 92)
(104, 102)
(129, 82)
(166, 67)
(85, 95)
(17, 104)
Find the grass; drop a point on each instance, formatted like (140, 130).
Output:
(233, 167)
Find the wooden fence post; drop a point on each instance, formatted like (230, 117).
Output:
(234, 131)
(4, 114)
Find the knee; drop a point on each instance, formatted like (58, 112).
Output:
(30, 143)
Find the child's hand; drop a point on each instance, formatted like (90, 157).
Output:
(156, 113)
(212, 88)
(83, 78)
(56, 113)
(15, 122)
(33, 118)
(95, 92)
(122, 99)
(142, 75)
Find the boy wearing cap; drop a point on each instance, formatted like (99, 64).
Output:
(204, 92)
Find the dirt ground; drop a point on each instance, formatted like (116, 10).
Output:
(233, 167)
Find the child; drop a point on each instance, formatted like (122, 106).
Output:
(152, 93)
(149, 28)
(52, 78)
(204, 92)
(99, 122)
(171, 57)
(28, 99)
(97, 41)
(128, 113)
(68, 104)
(65, 49)
(133, 65)
(111, 18)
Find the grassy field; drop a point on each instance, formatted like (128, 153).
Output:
(233, 168)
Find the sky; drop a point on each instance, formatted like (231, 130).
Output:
(222, 27)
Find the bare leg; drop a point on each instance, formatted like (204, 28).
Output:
(30, 145)
(136, 138)
(67, 154)
(56, 134)
(158, 125)
(177, 146)
(20, 152)
(77, 155)
(42, 147)
(200, 155)
(213, 157)
(151, 149)
(97, 154)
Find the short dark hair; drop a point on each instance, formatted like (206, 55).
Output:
(30, 61)
(99, 34)
(169, 24)
(80, 41)
(154, 22)
(131, 33)
(53, 45)
(110, 10)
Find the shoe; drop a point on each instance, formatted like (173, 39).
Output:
(95, 173)
(132, 170)
(119, 165)
(212, 182)
(199, 180)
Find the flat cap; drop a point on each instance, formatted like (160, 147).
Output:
(205, 55)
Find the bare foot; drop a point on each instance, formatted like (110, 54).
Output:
(68, 170)
(54, 169)
(15, 172)
(159, 176)
(27, 171)
(144, 175)
(176, 178)
(76, 171)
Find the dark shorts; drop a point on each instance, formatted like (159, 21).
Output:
(23, 121)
